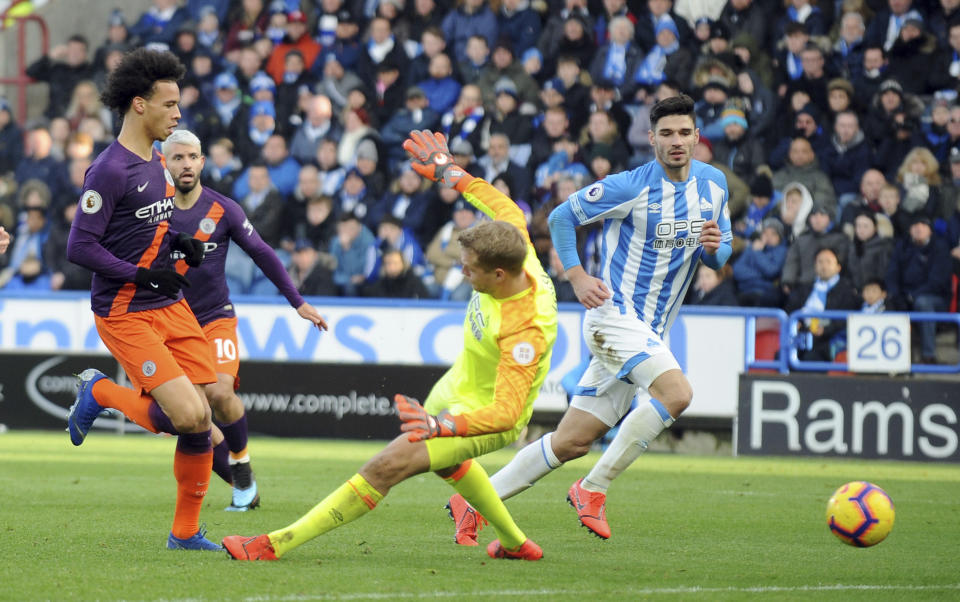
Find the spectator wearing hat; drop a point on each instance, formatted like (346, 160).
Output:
(441, 88)
(794, 210)
(870, 253)
(800, 266)
(564, 162)
(117, 37)
(918, 279)
(746, 16)
(735, 147)
(806, 125)
(554, 31)
(368, 164)
(311, 270)
(392, 234)
(382, 46)
(261, 124)
(666, 60)
(830, 290)
(160, 23)
(617, 60)
(228, 103)
(416, 114)
(469, 17)
(847, 157)
(757, 270)
(885, 26)
(847, 56)
(507, 118)
(210, 35)
(764, 203)
(354, 249)
(443, 252)
(518, 22)
(915, 59)
(713, 100)
(840, 97)
(63, 67)
(11, 140)
(576, 41)
(501, 65)
(659, 12)
(297, 37)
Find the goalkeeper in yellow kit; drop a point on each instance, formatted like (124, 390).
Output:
(482, 402)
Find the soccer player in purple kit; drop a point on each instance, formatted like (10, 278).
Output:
(122, 235)
(216, 220)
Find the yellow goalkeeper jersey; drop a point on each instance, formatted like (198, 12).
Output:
(507, 343)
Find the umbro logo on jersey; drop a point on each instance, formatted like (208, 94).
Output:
(655, 207)
(141, 187)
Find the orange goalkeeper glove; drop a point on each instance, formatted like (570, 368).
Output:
(431, 158)
(420, 425)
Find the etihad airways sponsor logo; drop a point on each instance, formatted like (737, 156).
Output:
(156, 211)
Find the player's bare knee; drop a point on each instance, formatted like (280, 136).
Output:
(678, 399)
(219, 396)
(570, 447)
(192, 418)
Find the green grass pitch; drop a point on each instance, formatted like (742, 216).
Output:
(90, 523)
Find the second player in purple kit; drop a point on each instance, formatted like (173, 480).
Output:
(216, 220)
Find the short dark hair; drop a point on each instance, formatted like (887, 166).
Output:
(136, 75)
(675, 105)
(878, 281)
(80, 39)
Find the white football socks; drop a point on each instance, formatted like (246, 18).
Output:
(638, 429)
(526, 468)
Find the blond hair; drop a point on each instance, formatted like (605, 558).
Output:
(922, 154)
(497, 245)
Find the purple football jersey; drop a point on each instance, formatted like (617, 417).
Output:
(216, 220)
(126, 204)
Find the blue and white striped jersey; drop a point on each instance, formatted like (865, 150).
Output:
(651, 229)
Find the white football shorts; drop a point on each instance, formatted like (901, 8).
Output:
(627, 355)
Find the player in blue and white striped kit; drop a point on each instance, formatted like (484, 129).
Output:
(658, 221)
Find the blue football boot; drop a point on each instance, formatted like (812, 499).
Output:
(85, 408)
(196, 542)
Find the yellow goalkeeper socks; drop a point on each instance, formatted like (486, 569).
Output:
(348, 502)
(471, 481)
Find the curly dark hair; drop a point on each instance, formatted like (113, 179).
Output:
(136, 74)
(675, 105)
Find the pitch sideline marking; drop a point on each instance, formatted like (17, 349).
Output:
(639, 591)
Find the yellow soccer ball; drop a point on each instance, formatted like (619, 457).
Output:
(860, 514)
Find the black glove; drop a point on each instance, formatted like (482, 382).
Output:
(191, 248)
(165, 282)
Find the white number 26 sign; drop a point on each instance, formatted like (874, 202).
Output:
(878, 343)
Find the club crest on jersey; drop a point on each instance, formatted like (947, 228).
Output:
(207, 225)
(167, 176)
(705, 205)
(594, 193)
(523, 353)
(91, 202)
(149, 368)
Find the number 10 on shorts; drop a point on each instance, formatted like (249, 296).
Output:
(878, 343)
(226, 350)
